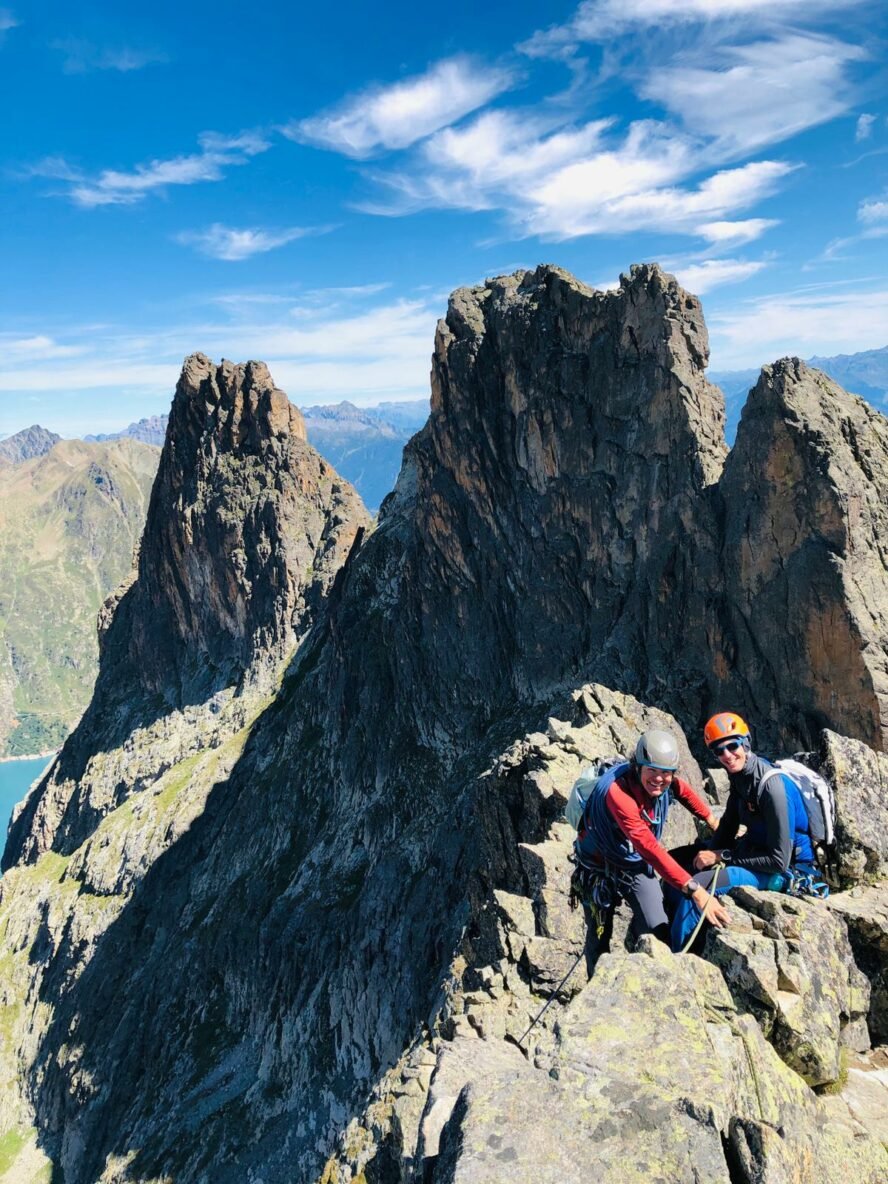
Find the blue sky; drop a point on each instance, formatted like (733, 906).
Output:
(307, 183)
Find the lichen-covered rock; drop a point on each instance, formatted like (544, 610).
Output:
(865, 912)
(859, 776)
(788, 962)
(656, 1076)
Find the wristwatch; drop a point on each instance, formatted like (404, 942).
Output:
(691, 887)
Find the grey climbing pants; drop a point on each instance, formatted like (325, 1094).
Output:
(644, 895)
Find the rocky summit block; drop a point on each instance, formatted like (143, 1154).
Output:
(788, 962)
(805, 491)
(860, 777)
(246, 529)
(865, 912)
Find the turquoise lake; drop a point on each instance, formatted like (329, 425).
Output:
(15, 777)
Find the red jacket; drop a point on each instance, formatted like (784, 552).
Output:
(628, 804)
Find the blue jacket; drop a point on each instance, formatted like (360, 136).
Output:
(777, 829)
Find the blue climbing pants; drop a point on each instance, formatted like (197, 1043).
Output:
(687, 914)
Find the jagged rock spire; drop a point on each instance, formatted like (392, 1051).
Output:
(246, 529)
(804, 564)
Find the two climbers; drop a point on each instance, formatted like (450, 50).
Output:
(618, 850)
(776, 851)
(620, 817)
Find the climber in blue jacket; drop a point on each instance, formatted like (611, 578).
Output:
(777, 841)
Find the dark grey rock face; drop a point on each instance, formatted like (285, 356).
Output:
(859, 776)
(865, 912)
(244, 533)
(805, 491)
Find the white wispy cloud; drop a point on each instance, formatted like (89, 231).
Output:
(749, 96)
(37, 348)
(121, 187)
(872, 215)
(232, 244)
(571, 181)
(7, 21)
(864, 127)
(824, 321)
(399, 115)
(713, 273)
(599, 20)
(873, 211)
(619, 194)
(363, 354)
(80, 56)
(735, 234)
(732, 89)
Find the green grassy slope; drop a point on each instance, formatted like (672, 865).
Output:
(69, 522)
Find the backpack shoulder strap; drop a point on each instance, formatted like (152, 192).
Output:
(602, 784)
(770, 774)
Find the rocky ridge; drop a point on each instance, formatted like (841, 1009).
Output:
(699, 1067)
(364, 895)
(245, 531)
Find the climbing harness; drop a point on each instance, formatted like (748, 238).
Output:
(596, 886)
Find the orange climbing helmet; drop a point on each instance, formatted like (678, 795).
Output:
(723, 726)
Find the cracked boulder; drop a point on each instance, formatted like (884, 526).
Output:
(789, 963)
(655, 1076)
(860, 778)
(865, 912)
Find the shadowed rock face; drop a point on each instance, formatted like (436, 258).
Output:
(561, 516)
(244, 532)
(572, 435)
(246, 529)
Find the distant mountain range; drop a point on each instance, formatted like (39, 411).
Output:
(365, 444)
(866, 374)
(148, 431)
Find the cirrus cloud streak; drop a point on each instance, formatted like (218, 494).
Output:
(399, 115)
(119, 187)
(232, 245)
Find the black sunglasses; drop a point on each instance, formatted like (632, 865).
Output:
(728, 746)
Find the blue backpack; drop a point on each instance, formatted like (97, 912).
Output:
(799, 820)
